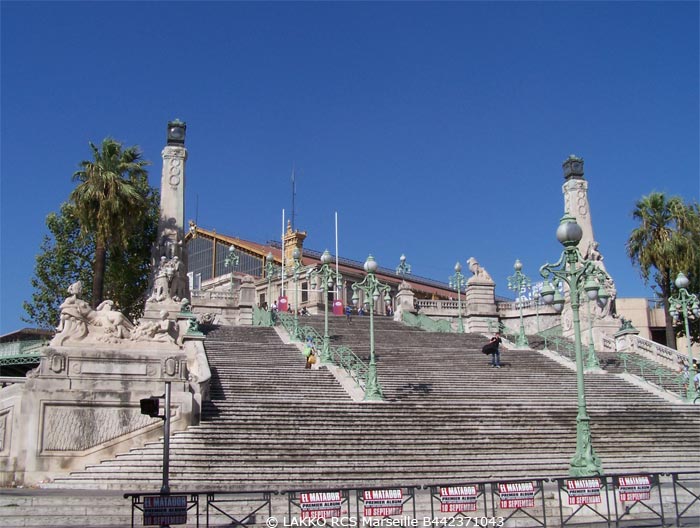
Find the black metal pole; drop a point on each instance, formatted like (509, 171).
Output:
(166, 441)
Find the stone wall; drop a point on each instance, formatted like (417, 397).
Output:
(81, 405)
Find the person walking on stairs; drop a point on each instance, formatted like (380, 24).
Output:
(492, 348)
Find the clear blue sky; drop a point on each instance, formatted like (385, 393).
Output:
(434, 129)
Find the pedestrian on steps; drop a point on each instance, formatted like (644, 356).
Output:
(310, 359)
(494, 351)
(309, 352)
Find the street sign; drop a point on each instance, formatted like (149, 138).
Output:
(160, 510)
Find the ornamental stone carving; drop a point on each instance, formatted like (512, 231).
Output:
(171, 366)
(479, 273)
(72, 428)
(4, 430)
(79, 322)
(57, 362)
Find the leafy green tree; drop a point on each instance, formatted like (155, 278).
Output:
(108, 203)
(65, 257)
(68, 252)
(667, 241)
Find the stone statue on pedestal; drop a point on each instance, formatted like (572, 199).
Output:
(479, 273)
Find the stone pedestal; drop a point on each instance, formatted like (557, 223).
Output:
(481, 307)
(152, 310)
(246, 301)
(404, 301)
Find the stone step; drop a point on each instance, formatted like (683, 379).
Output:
(274, 424)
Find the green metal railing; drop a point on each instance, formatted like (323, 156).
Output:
(550, 334)
(345, 358)
(341, 356)
(21, 352)
(426, 323)
(263, 317)
(287, 322)
(652, 373)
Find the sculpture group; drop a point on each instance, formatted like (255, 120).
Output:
(79, 322)
(170, 280)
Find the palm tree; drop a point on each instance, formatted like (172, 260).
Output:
(665, 241)
(108, 202)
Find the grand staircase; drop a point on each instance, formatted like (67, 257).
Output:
(448, 417)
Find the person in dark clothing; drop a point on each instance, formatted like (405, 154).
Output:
(494, 351)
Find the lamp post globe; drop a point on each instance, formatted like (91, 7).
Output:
(370, 264)
(569, 233)
(326, 258)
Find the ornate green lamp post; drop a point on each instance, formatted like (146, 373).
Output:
(456, 282)
(231, 261)
(580, 275)
(372, 289)
(518, 282)
(271, 271)
(328, 276)
(403, 268)
(684, 303)
(296, 256)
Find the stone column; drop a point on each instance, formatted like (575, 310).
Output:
(246, 301)
(169, 279)
(575, 191)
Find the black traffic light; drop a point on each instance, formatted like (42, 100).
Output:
(150, 406)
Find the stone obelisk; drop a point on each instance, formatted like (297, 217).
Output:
(576, 203)
(170, 281)
(575, 191)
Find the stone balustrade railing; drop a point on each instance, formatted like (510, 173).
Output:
(437, 305)
(505, 307)
(213, 294)
(609, 344)
(662, 354)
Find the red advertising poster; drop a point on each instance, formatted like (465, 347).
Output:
(320, 505)
(338, 308)
(634, 488)
(282, 304)
(455, 499)
(583, 491)
(382, 503)
(516, 495)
